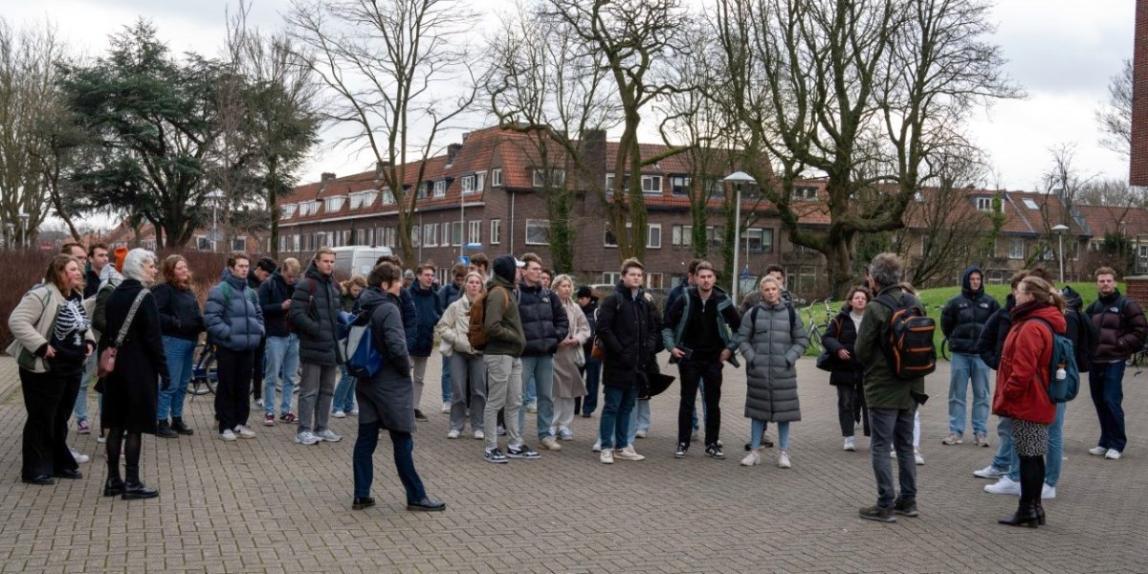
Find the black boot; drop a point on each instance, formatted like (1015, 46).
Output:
(134, 488)
(178, 426)
(1040, 513)
(1025, 516)
(113, 486)
(163, 430)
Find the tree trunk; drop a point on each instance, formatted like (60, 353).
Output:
(839, 263)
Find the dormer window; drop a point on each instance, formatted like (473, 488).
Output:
(335, 203)
(288, 210)
(557, 177)
(652, 184)
(440, 188)
(496, 177)
(424, 190)
(388, 197)
(804, 193)
(985, 204)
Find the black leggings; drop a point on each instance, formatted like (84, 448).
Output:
(1031, 479)
(132, 444)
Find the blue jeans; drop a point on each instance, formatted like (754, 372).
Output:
(1055, 457)
(593, 376)
(446, 385)
(364, 467)
(344, 392)
(80, 409)
(180, 355)
(1106, 381)
(281, 361)
(963, 368)
(639, 420)
(1005, 453)
(538, 372)
(614, 428)
(758, 429)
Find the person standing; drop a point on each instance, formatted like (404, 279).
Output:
(962, 320)
(427, 313)
(699, 331)
(282, 354)
(344, 400)
(1022, 388)
(469, 370)
(771, 340)
(181, 322)
(567, 379)
(256, 277)
(630, 333)
(505, 341)
(1122, 331)
(234, 322)
(892, 401)
(846, 371)
(592, 367)
(385, 400)
(314, 313)
(545, 325)
(447, 295)
(129, 408)
(97, 262)
(52, 339)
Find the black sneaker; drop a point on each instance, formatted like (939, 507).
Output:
(714, 451)
(878, 514)
(164, 430)
(523, 452)
(419, 416)
(906, 508)
(680, 452)
(495, 456)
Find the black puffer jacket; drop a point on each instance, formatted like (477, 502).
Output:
(1080, 330)
(543, 320)
(1121, 326)
(992, 338)
(841, 333)
(272, 293)
(314, 314)
(965, 315)
(630, 330)
(591, 313)
(179, 312)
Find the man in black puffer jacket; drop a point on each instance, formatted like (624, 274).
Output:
(314, 314)
(962, 321)
(1122, 331)
(545, 324)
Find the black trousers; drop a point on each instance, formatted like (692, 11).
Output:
(232, 407)
(257, 370)
(693, 372)
(48, 398)
(851, 408)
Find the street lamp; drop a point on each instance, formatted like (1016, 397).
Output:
(214, 197)
(737, 178)
(23, 229)
(1059, 230)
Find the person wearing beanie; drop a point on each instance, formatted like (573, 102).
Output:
(505, 341)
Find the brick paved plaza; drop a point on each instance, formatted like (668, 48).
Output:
(269, 505)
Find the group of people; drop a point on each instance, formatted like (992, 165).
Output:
(515, 339)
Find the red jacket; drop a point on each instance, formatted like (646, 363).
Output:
(1023, 376)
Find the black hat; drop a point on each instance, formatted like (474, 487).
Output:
(584, 291)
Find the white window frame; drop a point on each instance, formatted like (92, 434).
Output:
(804, 193)
(287, 210)
(496, 177)
(611, 277)
(466, 184)
(495, 231)
(1029, 203)
(334, 204)
(445, 227)
(456, 225)
(416, 236)
(430, 235)
(1013, 244)
(388, 197)
(440, 188)
(650, 243)
(474, 231)
(984, 204)
(685, 184)
(652, 184)
(536, 223)
(480, 180)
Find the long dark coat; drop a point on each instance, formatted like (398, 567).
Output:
(388, 396)
(130, 391)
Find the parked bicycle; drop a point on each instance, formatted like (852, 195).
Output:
(816, 328)
(204, 374)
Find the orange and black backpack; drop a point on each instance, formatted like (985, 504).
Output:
(476, 328)
(909, 343)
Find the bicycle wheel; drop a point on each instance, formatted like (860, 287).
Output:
(204, 375)
(945, 350)
(815, 339)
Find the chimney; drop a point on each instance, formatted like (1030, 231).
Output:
(452, 152)
(327, 176)
(593, 146)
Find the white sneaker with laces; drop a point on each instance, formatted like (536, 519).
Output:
(628, 453)
(1005, 485)
(307, 438)
(1098, 451)
(479, 434)
(783, 460)
(338, 414)
(607, 456)
(445, 407)
(640, 434)
(453, 433)
(1047, 492)
(752, 459)
(354, 412)
(244, 432)
(1113, 454)
(989, 472)
(259, 403)
(565, 433)
(597, 446)
(80, 457)
(850, 445)
(920, 460)
(228, 435)
(328, 435)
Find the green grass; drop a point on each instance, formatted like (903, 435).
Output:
(935, 299)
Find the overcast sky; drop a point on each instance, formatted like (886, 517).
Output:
(1061, 52)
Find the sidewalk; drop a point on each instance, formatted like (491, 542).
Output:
(269, 505)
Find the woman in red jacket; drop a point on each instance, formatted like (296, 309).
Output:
(1022, 388)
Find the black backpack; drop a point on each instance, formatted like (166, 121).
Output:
(909, 343)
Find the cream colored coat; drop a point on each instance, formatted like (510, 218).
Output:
(567, 379)
(451, 329)
(31, 324)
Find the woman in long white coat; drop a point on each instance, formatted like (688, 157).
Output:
(567, 378)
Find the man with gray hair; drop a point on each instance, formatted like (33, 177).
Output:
(892, 400)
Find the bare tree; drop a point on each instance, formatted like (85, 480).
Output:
(387, 65)
(1110, 192)
(1115, 116)
(862, 93)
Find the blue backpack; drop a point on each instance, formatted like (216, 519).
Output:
(1063, 357)
(363, 360)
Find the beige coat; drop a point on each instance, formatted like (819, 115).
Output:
(31, 324)
(451, 329)
(567, 380)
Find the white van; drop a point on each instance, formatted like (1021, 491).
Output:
(357, 260)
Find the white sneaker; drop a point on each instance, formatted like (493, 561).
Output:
(445, 407)
(628, 453)
(80, 457)
(892, 452)
(640, 434)
(453, 433)
(259, 403)
(307, 438)
(1098, 451)
(1047, 492)
(329, 435)
(565, 434)
(244, 432)
(354, 412)
(783, 460)
(850, 445)
(339, 414)
(751, 459)
(920, 460)
(607, 456)
(1113, 454)
(597, 446)
(989, 472)
(228, 435)
(550, 443)
(1005, 485)
(479, 435)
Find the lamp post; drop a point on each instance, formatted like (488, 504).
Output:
(1059, 230)
(214, 197)
(737, 178)
(23, 229)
